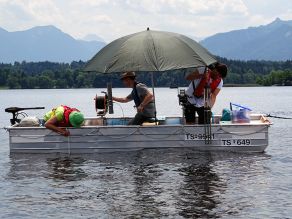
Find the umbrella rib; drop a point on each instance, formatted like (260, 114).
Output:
(187, 45)
(155, 53)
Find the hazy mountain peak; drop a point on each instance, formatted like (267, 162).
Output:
(46, 29)
(277, 20)
(197, 39)
(267, 42)
(3, 30)
(45, 43)
(93, 37)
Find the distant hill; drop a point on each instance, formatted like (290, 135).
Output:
(48, 43)
(93, 37)
(44, 43)
(267, 42)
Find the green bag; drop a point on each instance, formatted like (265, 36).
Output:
(226, 115)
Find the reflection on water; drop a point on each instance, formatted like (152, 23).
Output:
(148, 183)
(66, 168)
(200, 192)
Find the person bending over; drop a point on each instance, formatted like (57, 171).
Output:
(142, 97)
(212, 76)
(63, 116)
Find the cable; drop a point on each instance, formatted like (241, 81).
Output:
(120, 108)
(278, 117)
(69, 145)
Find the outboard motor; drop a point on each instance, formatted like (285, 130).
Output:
(17, 111)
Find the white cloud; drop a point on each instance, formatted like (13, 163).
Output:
(111, 19)
(287, 15)
(91, 3)
(186, 6)
(23, 13)
(44, 11)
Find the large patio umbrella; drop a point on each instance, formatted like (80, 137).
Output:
(150, 51)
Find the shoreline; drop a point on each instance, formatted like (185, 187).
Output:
(244, 85)
(225, 85)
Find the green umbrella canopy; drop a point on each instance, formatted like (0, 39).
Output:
(150, 51)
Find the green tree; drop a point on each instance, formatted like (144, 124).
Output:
(69, 77)
(32, 82)
(45, 82)
(80, 80)
(48, 73)
(233, 78)
(249, 77)
(13, 82)
(3, 76)
(61, 83)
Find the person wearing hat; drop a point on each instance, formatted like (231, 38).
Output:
(63, 116)
(200, 77)
(142, 97)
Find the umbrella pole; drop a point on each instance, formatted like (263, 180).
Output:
(110, 98)
(153, 92)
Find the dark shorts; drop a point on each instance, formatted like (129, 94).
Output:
(191, 111)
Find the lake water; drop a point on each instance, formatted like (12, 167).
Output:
(149, 183)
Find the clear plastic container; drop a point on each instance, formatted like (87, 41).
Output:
(240, 116)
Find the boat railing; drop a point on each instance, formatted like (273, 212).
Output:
(175, 120)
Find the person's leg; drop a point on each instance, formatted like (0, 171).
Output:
(190, 114)
(138, 119)
(201, 114)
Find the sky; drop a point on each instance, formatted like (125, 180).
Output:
(111, 19)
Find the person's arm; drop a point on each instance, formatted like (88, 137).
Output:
(213, 97)
(52, 125)
(194, 75)
(148, 98)
(121, 99)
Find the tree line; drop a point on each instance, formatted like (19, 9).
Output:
(47, 75)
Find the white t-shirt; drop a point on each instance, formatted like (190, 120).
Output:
(198, 102)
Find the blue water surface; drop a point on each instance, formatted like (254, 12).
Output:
(154, 183)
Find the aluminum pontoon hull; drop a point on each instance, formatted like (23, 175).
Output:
(251, 137)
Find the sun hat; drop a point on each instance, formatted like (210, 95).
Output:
(76, 119)
(129, 74)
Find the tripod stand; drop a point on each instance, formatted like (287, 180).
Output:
(207, 115)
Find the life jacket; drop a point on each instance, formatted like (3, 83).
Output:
(136, 97)
(67, 111)
(199, 90)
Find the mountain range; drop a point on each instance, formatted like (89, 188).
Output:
(266, 42)
(45, 43)
(48, 43)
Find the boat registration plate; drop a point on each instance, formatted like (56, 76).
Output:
(235, 142)
(198, 136)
